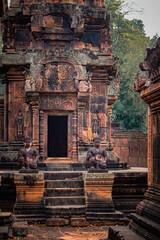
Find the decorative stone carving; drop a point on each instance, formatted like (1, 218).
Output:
(60, 77)
(19, 127)
(58, 102)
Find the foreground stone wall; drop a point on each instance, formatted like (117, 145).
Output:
(128, 190)
(131, 147)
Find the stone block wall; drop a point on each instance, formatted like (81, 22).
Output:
(131, 147)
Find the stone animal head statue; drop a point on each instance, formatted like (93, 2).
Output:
(28, 142)
(97, 141)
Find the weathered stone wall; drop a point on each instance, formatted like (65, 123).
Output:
(131, 147)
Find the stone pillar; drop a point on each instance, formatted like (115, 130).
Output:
(109, 123)
(1, 122)
(41, 130)
(35, 110)
(74, 141)
(98, 197)
(81, 106)
(34, 101)
(29, 204)
(5, 112)
(149, 155)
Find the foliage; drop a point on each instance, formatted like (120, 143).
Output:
(129, 43)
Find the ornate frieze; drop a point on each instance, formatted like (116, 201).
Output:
(50, 102)
(60, 77)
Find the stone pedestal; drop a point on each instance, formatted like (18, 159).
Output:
(98, 197)
(29, 204)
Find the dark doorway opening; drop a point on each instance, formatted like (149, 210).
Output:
(57, 136)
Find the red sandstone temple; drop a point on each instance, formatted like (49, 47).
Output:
(57, 66)
(58, 76)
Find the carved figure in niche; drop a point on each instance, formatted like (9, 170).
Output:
(85, 85)
(97, 156)
(95, 124)
(28, 156)
(105, 40)
(19, 127)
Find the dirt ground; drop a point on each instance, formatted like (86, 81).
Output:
(65, 233)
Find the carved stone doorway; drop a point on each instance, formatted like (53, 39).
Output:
(57, 136)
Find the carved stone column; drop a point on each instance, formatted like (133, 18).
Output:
(1, 121)
(41, 130)
(150, 145)
(34, 102)
(81, 106)
(35, 110)
(5, 110)
(74, 140)
(109, 123)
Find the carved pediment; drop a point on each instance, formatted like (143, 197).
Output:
(59, 77)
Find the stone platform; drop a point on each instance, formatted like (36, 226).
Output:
(99, 203)
(29, 205)
(65, 196)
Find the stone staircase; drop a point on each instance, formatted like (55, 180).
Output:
(64, 166)
(64, 198)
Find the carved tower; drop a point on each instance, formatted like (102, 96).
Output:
(58, 65)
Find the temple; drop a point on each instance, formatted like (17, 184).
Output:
(58, 82)
(57, 67)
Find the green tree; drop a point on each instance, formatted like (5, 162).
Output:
(129, 43)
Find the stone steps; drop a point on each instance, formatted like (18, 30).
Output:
(144, 226)
(54, 169)
(64, 196)
(31, 219)
(59, 175)
(64, 184)
(64, 192)
(58, 167)
(66, 210)
(67, 200)
(122, 232)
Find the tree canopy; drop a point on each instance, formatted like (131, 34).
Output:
(129, 43)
